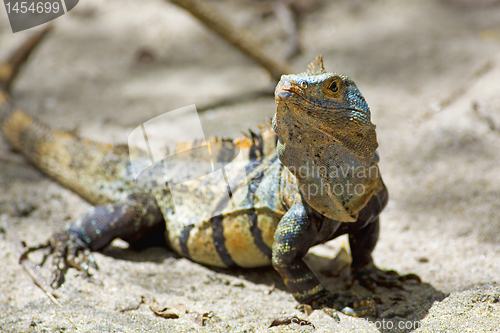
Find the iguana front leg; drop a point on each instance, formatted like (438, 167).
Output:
(298, 231)
(294, 235)
(137, 220)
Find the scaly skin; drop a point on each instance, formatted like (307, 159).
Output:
(321, 182)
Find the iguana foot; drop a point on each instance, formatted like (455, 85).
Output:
(346, 302)
(69, 251)
(371, 276)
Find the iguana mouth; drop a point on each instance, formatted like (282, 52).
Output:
(284, 90)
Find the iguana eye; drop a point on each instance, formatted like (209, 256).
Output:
(334, 86)
(303, 84)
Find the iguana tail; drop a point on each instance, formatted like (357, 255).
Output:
(97, 172)
(10, 68)
(70, 160)
(14, 123)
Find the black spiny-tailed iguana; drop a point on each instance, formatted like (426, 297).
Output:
(322, 181)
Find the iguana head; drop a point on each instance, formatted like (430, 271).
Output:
(329, 103)
(324, 129)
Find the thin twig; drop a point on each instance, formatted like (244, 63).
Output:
(463, 88)
(458, 92)
(237, 36)
(29, 267)
(484, 117)
(38, 279)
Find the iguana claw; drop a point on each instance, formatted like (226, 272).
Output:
(69, 251)
(358, 307)
(371, 276)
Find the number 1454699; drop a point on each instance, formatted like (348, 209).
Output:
(40, 7)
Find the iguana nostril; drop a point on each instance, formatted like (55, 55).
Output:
(286, 84)
(283, 89)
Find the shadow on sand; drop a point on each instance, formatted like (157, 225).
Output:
(398, 310)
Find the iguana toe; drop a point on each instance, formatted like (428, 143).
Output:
(371, 276)
(69, 251)
(346, 302)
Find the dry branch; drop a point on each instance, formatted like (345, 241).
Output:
(237, 36)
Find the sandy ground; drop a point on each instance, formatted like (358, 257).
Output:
(430, 72)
